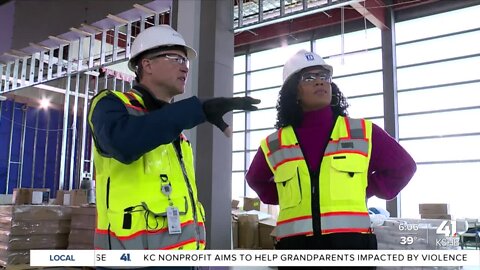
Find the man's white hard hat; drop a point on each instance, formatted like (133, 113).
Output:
(155, 37)
(303, 59)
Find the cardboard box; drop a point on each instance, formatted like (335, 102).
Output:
(248, 232)
(434, 208)
(265, 229)
(84, 217)
(235, 233)
(235, 204)
(74, 197)
(436, 216)
(81, 236)
(31, 196)
(251, 204)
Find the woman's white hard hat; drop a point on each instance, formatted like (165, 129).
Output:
(303, 59)
(154, 37)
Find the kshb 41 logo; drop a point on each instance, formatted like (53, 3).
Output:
(448, 228)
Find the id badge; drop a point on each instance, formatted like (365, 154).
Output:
(173, 220)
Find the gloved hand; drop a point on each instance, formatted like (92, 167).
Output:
(215, 108)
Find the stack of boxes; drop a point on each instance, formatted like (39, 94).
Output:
(248, 231)
(82, 228)
(25, 227)
(434, 211)
(31, 196)
(30, 223)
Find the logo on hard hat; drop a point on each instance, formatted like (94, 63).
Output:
(309, 57)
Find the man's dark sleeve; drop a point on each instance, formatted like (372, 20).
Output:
(126, 138)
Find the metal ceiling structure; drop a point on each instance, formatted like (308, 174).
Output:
(72, 60)
(253, 14)
(262, 20)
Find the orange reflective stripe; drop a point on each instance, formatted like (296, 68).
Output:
(273, 143)
(145, 239)
(294, 226)
(359, 146)
(355, 128)
(278, 153)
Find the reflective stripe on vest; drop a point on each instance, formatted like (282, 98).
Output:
(295, 226)
(129, 99)
(359, 146)
(152, 239)
(345, 222)
(280, 154)
(355, 128)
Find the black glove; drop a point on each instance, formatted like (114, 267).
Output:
(215, 108)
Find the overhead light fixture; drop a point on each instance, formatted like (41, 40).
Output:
(3, 98)
(44, 103)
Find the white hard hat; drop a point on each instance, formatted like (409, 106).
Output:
(154, 37)
(303, 59)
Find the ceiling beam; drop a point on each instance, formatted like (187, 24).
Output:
(290, 27)
(372, 10)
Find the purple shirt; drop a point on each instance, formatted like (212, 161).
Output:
(390, 169)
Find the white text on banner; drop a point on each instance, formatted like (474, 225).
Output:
(139, 258)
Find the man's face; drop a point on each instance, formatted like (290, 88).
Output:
(168, 70)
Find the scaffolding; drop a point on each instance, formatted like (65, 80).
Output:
(72, 65)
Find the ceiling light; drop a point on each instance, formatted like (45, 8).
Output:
(44, 103)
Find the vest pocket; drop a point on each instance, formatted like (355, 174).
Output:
(348, 177)
(288, 185)
(157, 161)
(151, 216)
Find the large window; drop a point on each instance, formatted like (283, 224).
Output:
(438, 83)
(439, 96)
(357, 72)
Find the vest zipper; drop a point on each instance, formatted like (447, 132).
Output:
(190, 191)
(314, 191)
(314, 180)
(108, 206)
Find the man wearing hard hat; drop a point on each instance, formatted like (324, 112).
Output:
(320, 166)
(145, 186)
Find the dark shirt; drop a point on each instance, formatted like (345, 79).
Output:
(126, 137)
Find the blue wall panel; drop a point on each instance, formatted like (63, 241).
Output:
(42, 148)
(31, 115)
(5, 120)
(53, 158)
(15, 142)
(40, 151)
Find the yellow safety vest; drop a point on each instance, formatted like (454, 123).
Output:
(131, 207)
(343, 180)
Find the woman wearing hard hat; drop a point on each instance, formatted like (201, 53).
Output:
(320, 166)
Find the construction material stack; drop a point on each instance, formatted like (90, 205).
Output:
(26, 227)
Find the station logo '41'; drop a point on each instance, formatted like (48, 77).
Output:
(445, 229)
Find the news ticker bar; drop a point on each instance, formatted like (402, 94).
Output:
(126, 258)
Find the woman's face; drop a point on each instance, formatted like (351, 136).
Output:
(314, 89)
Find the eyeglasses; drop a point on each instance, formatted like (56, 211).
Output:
(173, 57)
(310, 77)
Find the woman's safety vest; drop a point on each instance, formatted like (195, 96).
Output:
(151, 203)
(342, 180)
